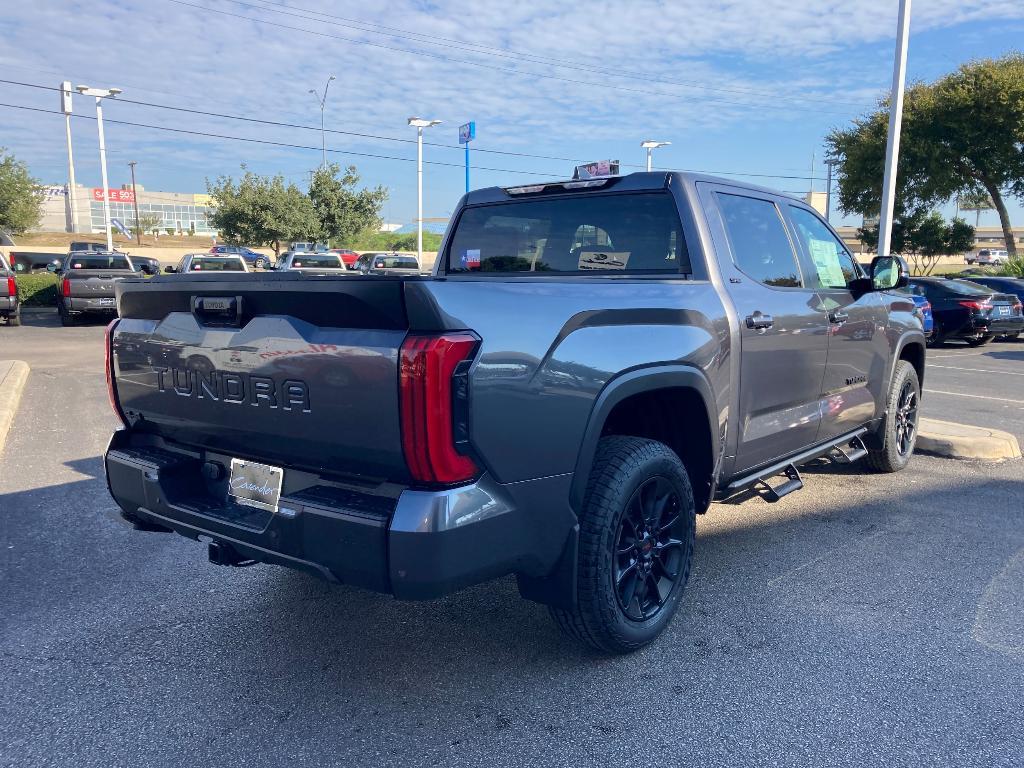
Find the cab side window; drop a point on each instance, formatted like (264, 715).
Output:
(833, 265)
(760, 246)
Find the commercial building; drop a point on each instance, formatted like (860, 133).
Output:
(173, 212)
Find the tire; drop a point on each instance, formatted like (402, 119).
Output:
(979, 342)
(900, 414)
(15, 319)
(615, 564)
(65, 319)
(1011, 336)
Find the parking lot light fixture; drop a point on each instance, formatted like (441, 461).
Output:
(650, 145)
(419, 124)
(322, 101)
(100, 94)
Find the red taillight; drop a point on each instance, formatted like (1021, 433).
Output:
(433, 402)
(1016, 308)
(12, 289)
(108, 365)
(978, 306)
(65, 287)
(926, 307)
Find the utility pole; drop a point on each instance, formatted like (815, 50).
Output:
(65, 104)
(135, 200)
(322, 101)
(892, 142)
(829, 163)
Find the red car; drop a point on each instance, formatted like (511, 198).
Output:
(348, 257)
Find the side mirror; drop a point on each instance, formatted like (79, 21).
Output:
(170, 270)
(52, 267)
(889, 273)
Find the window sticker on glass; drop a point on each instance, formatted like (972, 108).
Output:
(603, 259)
(826, 261)
(471, 258)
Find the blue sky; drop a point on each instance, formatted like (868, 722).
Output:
(749, 87)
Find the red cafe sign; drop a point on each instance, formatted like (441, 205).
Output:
(114, 195)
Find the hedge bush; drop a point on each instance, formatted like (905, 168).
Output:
(38, 289)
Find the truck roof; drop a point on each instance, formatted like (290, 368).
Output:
(639, 181)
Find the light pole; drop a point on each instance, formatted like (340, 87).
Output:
(100, 94)
(322, 101)
(419, 124)
(650, 145)
(65, 105)
(892, 145)
(135, 202)
(830, 162)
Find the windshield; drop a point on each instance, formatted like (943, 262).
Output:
(217, 264)
(395, 262)
(99, 261)
(635, 233)
(317, 261)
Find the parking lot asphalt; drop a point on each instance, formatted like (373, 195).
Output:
(867, 620)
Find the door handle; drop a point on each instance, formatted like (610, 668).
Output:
(760, 321)
(838, 316)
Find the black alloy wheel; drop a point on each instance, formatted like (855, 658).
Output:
(906, 419)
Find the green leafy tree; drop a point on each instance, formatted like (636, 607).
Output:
(923, 238)
(962, 135)
(344, 212)
(261, 210)
(148, 222)
(21, 204)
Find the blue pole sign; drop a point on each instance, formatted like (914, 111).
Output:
(467, 133)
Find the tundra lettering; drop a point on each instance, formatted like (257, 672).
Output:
(590, 366)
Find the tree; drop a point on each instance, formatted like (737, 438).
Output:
(21, 204)
(962, 135)
(343, 212)
(923, 238)
(148, 222)
(261, 210)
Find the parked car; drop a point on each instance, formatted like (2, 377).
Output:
(970, 312)
(10, 307)
(30, 261)
(387, 264)
(86, 282)
(146, 264)
(307, 247)
(554, 412)
(252, 258)
(85, 245)
(989, 256)
(923, 308)
(1007, 285)
(209, 262)
(317, 262)
(347, 256)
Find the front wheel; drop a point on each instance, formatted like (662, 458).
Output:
(635, 547)
(902, 410)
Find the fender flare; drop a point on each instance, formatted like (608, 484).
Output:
(624, 385)
(905, 340)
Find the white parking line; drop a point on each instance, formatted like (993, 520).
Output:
(977, 397)
(977, 370)
(959, 354)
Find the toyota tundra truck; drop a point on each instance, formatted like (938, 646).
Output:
(589, 366)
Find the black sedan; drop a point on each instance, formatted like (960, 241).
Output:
(969, 311)
(146, 264)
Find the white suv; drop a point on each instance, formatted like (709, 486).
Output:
(990, 256)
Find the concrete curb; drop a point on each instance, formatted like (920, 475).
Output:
(962, 441)
(13, 375)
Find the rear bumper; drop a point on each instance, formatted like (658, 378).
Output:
(983, 326)
(8, 304)
(99, 304)
(414, 545)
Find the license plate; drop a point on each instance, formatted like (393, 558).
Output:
(104, 302)
(255, 485)
(1004, 310)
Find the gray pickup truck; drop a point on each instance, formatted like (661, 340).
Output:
(591, 364)
(86, 284)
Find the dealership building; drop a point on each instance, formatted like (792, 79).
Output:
(178, 212)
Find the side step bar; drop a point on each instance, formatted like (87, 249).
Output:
(843, 449)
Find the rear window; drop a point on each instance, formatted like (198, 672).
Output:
(112, 261)
(317, 261)
(634, 233)
(395, 262)
(967, 288)
(217, 264)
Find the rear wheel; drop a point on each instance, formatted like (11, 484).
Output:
(902, 409)
(980, 342)
(65, 318)
(636, 545)
(15, 319)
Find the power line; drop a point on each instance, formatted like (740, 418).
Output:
(280, 124)
(507, 70)
(486, 50)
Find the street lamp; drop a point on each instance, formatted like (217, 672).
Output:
(101, 94)
(650, 145)
(830, 162)
(322, 100)
(419, 124)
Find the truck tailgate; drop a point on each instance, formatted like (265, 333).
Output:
(93, 284)
(288, 369)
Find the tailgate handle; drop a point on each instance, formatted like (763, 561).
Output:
(218, 310)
